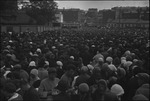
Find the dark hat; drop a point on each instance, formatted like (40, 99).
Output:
(17, 66)
(105, 67)
(128, 58)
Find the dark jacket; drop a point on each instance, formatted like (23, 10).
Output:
(31, 95)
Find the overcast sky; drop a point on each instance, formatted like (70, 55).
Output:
(100, 4)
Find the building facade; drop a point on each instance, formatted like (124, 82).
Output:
(133, 17)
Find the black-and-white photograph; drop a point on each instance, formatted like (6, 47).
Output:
(74, 50)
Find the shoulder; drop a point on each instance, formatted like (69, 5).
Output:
(57, 79)
(44, 80)
(63, 76)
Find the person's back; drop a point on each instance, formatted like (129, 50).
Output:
(82, 79)
(109, 96)
(42, 73)
(31, 95)
(48, 84)
(10, 92)
(20, 73)
(24, 75)
(68, 75)
(86, 56)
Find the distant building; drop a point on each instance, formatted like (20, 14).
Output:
(92, 17)
(18, 18)
(59, 17)
(92, 12)
(133, 17)
(108, 14)
(73, 17)
(128, 23)
(132, 12)
(59, 20)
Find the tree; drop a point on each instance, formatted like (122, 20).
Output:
(43, 11)
(8, 9)
(8, 5)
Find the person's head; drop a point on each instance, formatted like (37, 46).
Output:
(143, 78)
(38, 51)
(102, 86)
(116, 61)
(109, 60)
(84, 69)
(52, 72)
(127, 53)
(32, 64)
(33, 73)
(90, 67)
(112, 67)
(59, 64)
(83, 88)
(121, 72)
(100, 61)
(71, 70)
(17, 67)
(10, 76)
(118, 90)
(129, 58)
(127, 65)
(72, 57)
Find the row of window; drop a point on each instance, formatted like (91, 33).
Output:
(129, 25)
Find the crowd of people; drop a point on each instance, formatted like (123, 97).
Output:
(75, 64)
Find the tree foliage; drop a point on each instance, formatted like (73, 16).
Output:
(42, 11)
(8, 4)
(8, 9)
